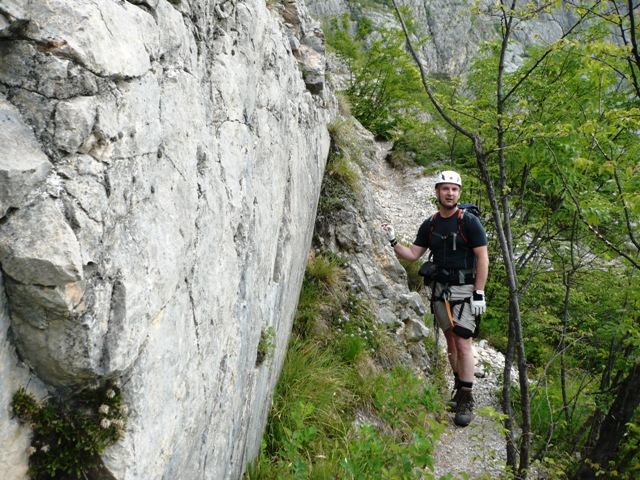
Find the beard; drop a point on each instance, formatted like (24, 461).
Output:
(447, 203)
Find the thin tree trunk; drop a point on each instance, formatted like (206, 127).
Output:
(511, 446)
(568, 278)
(563, 346)
(515, 320)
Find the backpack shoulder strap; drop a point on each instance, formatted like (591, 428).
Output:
(432, 227)
(461, 225)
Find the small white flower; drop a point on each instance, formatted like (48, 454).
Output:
(105, 423)
(124, 409)
(104, 409)
(45, 448)
(110, 393)
(31, 451)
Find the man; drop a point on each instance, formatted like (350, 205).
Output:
(458, 290)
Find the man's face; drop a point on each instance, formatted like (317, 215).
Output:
(448, 194)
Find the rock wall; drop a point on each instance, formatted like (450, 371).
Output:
(160, 164)
(455, 30)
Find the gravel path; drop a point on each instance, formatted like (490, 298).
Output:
(405, 198)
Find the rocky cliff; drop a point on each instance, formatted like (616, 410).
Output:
(160, 164)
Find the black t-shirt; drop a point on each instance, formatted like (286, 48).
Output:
(445, 233)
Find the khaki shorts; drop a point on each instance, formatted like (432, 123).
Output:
(461, 315)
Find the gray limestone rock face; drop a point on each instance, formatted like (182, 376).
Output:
(353, 231)
(160, 165)
(23, 166)
(37, 247)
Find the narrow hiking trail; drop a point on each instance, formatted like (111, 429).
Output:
(405, 199)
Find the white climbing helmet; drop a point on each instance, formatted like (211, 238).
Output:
(449, 176)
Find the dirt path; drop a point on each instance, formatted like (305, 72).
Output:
(405, 200)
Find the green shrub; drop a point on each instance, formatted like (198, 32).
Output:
(322, 289)
(494, 328)
(351, 347)
(355, 324)
(414, 280)
(400, 397)
(311, 431)
(341, 181)
(266, 345)
(312, 376)
(325, 271)
(69, 434)
(384, 82)
(309, 309)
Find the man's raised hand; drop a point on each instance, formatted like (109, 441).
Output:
(390, 232)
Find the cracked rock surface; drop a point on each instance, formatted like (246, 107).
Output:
(160, 164)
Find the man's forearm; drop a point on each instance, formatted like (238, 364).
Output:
(482, 267)
(410, 254)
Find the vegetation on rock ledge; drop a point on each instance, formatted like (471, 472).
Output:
(69, 434)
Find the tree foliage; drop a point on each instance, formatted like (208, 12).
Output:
(556, 146)
(384, 84)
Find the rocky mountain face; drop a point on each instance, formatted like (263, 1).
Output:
(160, 164)
(455, 30)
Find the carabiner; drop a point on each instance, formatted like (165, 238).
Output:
(446, 294)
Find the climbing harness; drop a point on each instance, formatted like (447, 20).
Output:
(445, 296)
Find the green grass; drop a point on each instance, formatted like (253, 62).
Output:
(341, 182)
(414, 280)
(337, 413)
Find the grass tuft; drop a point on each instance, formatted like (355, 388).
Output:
(337, 411)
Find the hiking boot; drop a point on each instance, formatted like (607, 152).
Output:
(464, 411)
